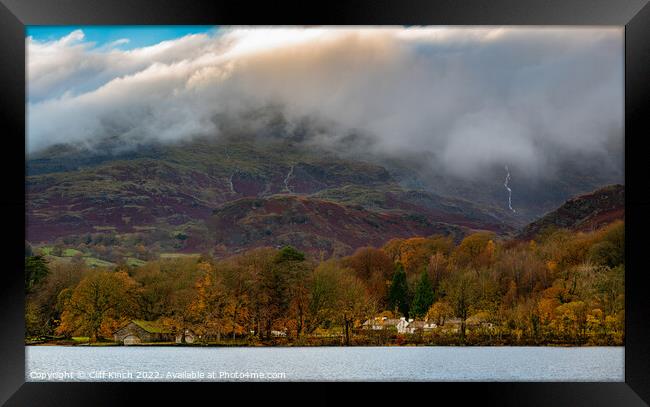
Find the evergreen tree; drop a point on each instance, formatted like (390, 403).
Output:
(423, 298)
(398, 293)
(289, 253)
(35, 271)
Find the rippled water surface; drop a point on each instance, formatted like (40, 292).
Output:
(83, 363)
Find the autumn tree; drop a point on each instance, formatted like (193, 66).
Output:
(157, 291)
(239, 283)
(393, 249)
(258, 267)
(323, 294)
(98, 304)
(413, 253)
(292, 279)
(563, 287)
(475, 250)
(437, 268)
(374, 268)
(571, 320)
(34, 321)
(609, 289)
(209, 312)
(338, 295)
(461, 293)
(352, 303)
(610, 251)
(167, 288)
(43, 305)
(439, 312)
(180, 318)
(282, 291)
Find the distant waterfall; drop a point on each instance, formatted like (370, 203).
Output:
(286, 180)
(505, 184)
(232, 187)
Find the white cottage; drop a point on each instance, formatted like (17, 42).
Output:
(385, 323)
(187, 337)
(402, 325)
(419, 326)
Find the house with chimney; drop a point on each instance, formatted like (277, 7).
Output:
(381, 323)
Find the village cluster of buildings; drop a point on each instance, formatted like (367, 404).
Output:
(411, 326)
(138, 331)
(402, 325)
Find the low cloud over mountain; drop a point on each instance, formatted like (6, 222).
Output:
(466, 99)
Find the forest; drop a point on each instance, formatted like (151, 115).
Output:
(560, 288)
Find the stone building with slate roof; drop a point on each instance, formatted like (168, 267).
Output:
(138, 331)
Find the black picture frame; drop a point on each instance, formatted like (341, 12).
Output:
(633, 14)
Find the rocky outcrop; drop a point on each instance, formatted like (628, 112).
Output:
(585, 212)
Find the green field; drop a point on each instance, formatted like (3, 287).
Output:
(72, 253)
(133, 262)
(95, 262)
(168, 256)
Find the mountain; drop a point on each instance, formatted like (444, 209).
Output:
(585, 212)
(316, 225)
(228, 193)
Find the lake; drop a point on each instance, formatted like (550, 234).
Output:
(157, 363)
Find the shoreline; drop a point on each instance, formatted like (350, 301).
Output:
(302, 345)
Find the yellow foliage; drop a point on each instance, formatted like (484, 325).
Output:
(414, 253)
(551, 265)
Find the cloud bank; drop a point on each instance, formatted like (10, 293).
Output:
(468, 98)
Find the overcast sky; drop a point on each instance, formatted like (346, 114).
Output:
(470, 97)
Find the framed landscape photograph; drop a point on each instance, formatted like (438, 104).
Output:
(447, 196)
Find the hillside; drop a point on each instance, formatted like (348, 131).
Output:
(315, 225)
(162, 196)
(116, 201)
(584, 212)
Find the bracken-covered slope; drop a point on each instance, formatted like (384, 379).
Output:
(207, 195)
(585, 212)
(244, 189)
(315, 225)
